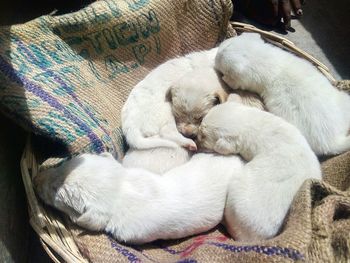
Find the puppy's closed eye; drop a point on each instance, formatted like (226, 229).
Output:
(220, 96)
(216, 100)
(169, 95)
(198, 118)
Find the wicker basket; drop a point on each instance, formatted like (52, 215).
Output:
(55, 235)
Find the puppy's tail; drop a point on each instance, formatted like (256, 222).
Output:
(136, 140)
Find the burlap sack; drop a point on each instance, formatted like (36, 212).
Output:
(67, 77)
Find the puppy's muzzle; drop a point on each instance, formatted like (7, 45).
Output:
(189, 131)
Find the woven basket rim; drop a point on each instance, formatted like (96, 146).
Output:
(55, 237)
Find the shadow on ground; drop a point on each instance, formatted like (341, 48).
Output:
(329, 24)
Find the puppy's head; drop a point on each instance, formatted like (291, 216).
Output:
(192, 96)
(243, 60)
(214, 126)
(68, 186)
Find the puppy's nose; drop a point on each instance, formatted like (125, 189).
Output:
(188, 131)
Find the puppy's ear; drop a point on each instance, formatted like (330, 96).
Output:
(169, 95)
(220, 97)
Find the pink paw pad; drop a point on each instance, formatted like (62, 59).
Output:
(191, 147)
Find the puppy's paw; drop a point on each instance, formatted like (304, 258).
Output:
(93, 218)
(191, 146)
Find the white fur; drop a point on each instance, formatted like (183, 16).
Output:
(291, 88)
(157, 160)
(193, 95)
(147, 120)
(279, 161)
(137, 206)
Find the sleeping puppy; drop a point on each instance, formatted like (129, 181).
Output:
(148, 123)
(135, 205)
(194, 94)
(291, 88)
(147, 120)
(279, 161)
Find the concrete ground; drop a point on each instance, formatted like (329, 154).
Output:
(323, 32)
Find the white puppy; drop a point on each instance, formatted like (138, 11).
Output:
(291, 88)
(148, 123)
(147, 120)
(279, 161)
(137, 206)
(193, 95)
